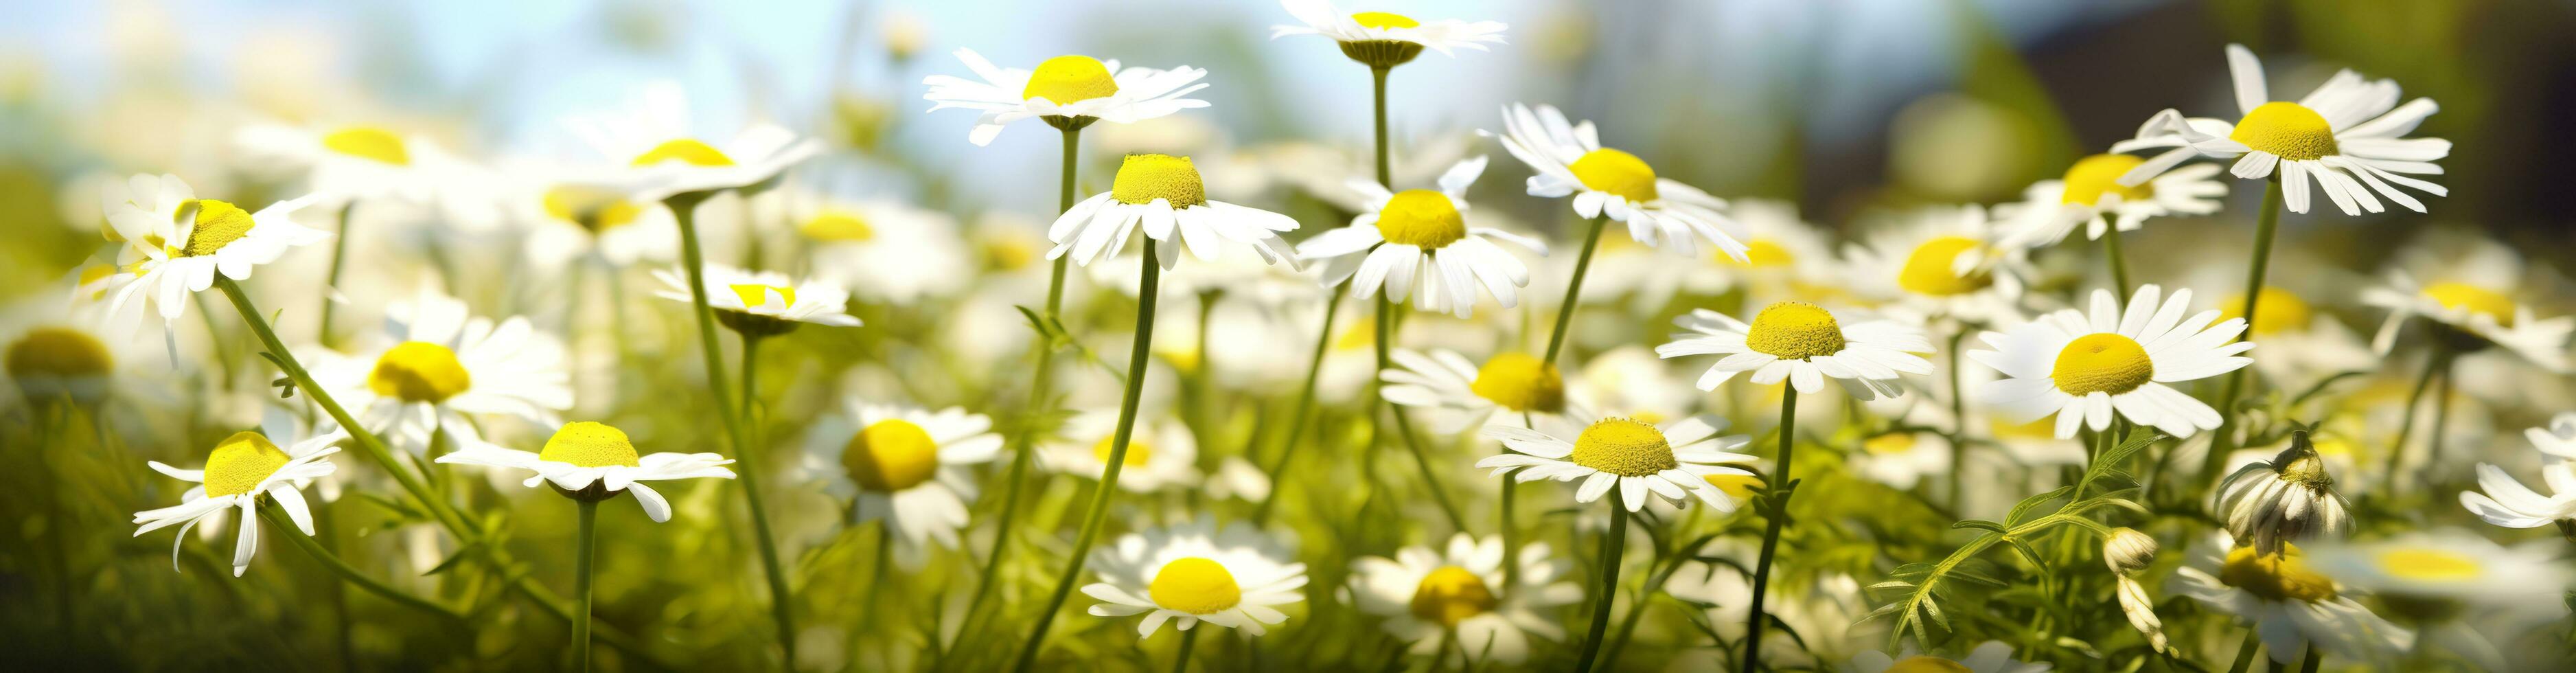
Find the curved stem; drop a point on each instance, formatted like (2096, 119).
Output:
(583, 559)
(1611, 546)
(1573, 290)
(2119, 262)
(1778, 495)
(1189, 638)
(1138, 358)
(1305, 402)
(351, 574)
(331, 281)
(684, 211)
(2266, 224)
(2245, 652)
(1403, 425)
(2309, 663)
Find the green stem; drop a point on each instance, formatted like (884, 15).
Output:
(1404, 425)
(1305, 403)
(583, 558)
(2245, 651)
(1138, 358)
(2308, 664)
(1612, 545)
(2433, 365)
(1637, 606)
(2267, 223)
(1777, 493)
(1385, 174)
(750, 385)
(1189, 638)
(1573, 290)
(2441, 413)
(331, 281)
(1959, 422)
(2119, 262)
(351, 574)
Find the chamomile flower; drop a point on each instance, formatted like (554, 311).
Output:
(1161, 454)
(663, 158)
(2090, 196)
(1569, 160)
(2472, 288)
(595, 460)
(1423, 594)
(2506, 502)
(567, 220)
(1902, 458)
(53, 350)
(906, 465)
(1196, 572)
(2290, 497)
(2287, 603)
(1386, 40)
(1069, 91)
(2302, 342)
(350, 161)
(883, 250)
(1803, 344)
(2085, 366)
(1417, 243)
(1460, 394)
(1993, 656)
(1940, 262)
(2446, 564)
(1785, 257)
(1671, 461)
(1163, 193)
(175, 243)
(2345, 136)
(762, 303)
(241, 472)
(436, 362)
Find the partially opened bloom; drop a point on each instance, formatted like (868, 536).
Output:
(2084, 366)
(1423, 593)
(175, 243)
(436, 362)
(1417, 243)
(592, 460)
(665, 158)
(1196, 572)
(1993, 656)
(2090, 196)
(241, 472)
(1069, 91)
(1803, 344)
(1461, 394)
(1673, 461)
(2287, 603)
(1163, 193)
(1382, 39)
(2267, 504)
(2345, 137)
(762, 303)
(907, 465)
(1569, 160)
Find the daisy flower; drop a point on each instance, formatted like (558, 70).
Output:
(52, 349)
(2303, 342)
(596, 461)
(175, 243)
(1903, 458)
(1803, 344)
(1417, 243)
(238, 472)
(762, 303)
(664, 159)
(1386, 40)
(2084, 366)
(567, 219)
(1069, 91)
(1940, 262)
(1161, 454)
(1461, 394)
(436, 362)
(1993, 656)
(883, 250)
(2287, 603)
(1195, 572)
(2447, 564)
(2469, 287)
(2290, 497)
(1569, 160)
(2508, 503)
(906, 465)
(1784, 257)
(353, 161)
(2090, 196)
(1672, 461)
(1423, 594)
(2344, 135)
(1164, 193)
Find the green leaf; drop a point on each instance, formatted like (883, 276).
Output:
(1979, 524)
(2033, 502)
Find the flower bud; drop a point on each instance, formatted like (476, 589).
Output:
(2127, 550)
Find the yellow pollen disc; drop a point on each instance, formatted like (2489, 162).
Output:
(1137, 450)
(686, 151)
(2280, 312)
(1760, 253)
(891, 455)
(1194, 585)
(1145, 177)
(1619, 173)
(1927, 269)
(836, 225)
(2475, 299)
(2287, 129)
(1922, 663)
(1737, 486)
(1068, 79)
(1450, 595)
(59, 352)
(218, 225)
(2275, 577)
(755, 295)
(589, 444)
(1385, 20)
(1009, 254)
(1624, 447)
(419, 371)
(1794, 330)
(368, 142)
(240, 462)
(1520, 383)
(594, 209)
(2102, 362)
(1421, 217)
(2429, 565)
(2094, 176)
(1889, 444)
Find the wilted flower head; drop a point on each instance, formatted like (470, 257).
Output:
(2289, 497)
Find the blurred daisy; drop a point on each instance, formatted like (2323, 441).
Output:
(1940, 262)
(1785, 257)
(906, 465)
(594, 460)
(1423, 594)
(1195, 572)
(2109, 360)
(1903, 458)
(665, 159)
(53, 350)
(883, 250)
(2469, 287)
(1417, 243)
(2288, 604)
(2446, 564)
(1569, 159)
(357, 161)
(1803, 344)
(762, 303)
(2344, 135)
(1384, 40)
(2506, 502)
(1993, 656)
(2301, 343)
(436, 362)
(175, 243)
(239, 472)
(1069, 91)
(1161, 454)
(2290, 497)
(1461, 394)
(2090, 196)
(1163, 193)
(569, 220)
(1671, 461)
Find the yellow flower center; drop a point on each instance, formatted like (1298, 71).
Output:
(755, 295)
(1737, 486)
(1922, 663)
(1624, 447)
(2043, 428)
(2094, 176)
(1421, 217)
(1928, 269)
(594, 209)
(1794, 330)
(2281, 311)
(368, 142)
(2275, 577)
(2435, 565)
(240, 462)
(836, 225)
(684, 150)
(1450, 595)
(2103, 362)
(218, 224)
(1520, 383)
(1137, 450)
(1361, 335)
(419, 371)
(1009, 254)
(1888, 444)
(2287, 129)
(1760, 253)
(1385, 20)
(589, 444)
(60, 352)
(2476, 299)
(1194, 585)
(1619, 173)
(890, 455)
(1145, 177)
(1070, 78)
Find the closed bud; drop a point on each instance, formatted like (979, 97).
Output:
(2127, 550)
